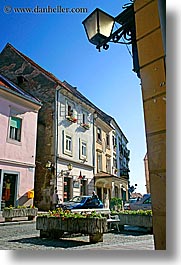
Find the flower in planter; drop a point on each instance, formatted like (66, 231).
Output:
(85, 125)
(71, 118)
(65, 214)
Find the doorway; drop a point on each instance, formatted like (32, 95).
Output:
(99, 193)
(67, 188)
(9, 190)
(83, 187)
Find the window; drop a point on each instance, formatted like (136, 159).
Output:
(114, 162)
(70, 110)
(147, 201)
(107, 140)
(68, 145)
(99, 136)
(15, 128)
(99, 162)
(84, 120)
(108, 165)
(83, 150)
(116, 192)
(114, 141)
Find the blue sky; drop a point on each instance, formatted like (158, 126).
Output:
(58, 43)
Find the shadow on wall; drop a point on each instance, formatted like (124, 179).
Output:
(25, 200)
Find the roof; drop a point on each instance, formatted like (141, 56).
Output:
(105, 117)
(50, 75)
(136, 195)
(14, 89)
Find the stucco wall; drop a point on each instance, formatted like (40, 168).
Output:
(23, 151)
(78, 133)
(12, 65)
(17, 158)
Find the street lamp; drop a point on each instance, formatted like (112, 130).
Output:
(50, 166)
(67, 172)
(98, 26)
(99, 29)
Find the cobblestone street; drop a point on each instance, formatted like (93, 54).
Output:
(25, 236)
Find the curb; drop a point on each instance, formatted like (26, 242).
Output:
(17, 222)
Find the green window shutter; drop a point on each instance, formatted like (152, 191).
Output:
(15, 122)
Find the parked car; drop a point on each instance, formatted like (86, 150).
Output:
(127, 203)
(81, 202)
(143, 203)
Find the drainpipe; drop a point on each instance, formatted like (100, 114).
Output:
(56, 134)
(93, 149)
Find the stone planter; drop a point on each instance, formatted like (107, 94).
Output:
(55, 227)
(9, 214)
(135, 220)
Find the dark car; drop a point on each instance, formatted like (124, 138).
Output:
(81, 202)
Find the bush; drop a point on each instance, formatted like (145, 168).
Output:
(140, 212)
(116, 203)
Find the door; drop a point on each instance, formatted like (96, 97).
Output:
(83, 187)
(9, 190)
(67, 188)
(99, 193)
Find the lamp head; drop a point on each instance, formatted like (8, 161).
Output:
(98, 26)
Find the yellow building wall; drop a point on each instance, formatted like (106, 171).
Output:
(153, 81)
(101, 147)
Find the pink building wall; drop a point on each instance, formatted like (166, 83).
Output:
(18, 158)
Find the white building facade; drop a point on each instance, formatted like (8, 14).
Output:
(75, 145)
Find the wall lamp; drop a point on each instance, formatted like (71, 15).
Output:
(99, 29)
(66, 172)
(50, 166)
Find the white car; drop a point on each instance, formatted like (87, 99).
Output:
(127, 203)
(143, 203)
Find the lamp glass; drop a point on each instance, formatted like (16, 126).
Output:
(98, 26)
(106, 23)
(90, 24)
(69, 166)
(48, 164)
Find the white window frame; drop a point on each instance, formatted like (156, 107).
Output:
(82, 145)
(68, 151)
(99, 134)
(85, 118)
(14, 113)
(15, 133)
(69, 103)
